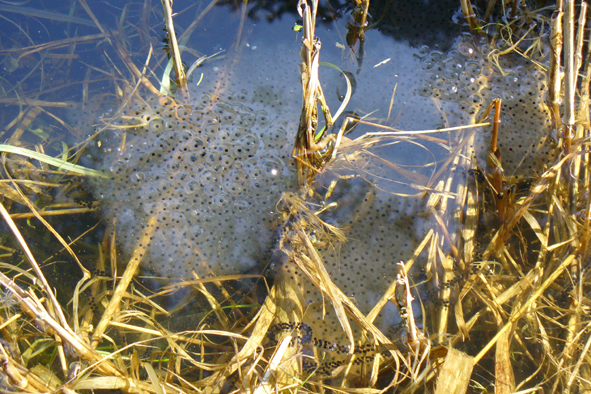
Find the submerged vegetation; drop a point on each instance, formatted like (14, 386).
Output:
(223, 239)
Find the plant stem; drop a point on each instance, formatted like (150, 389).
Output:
(569, 77)
(555, 53)
(498, 165)
(469, 14)
(579, 128)
(181, 80)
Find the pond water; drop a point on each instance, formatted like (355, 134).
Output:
(236, 142)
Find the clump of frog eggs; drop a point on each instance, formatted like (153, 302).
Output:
(210, 174)
(383, 229)
(472, 76)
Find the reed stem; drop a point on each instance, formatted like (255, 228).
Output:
(181, 80)
(555, 54)
(469, 14)
(569, 77)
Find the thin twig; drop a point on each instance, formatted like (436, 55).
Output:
(569, 77)
(535, 295)
(469, 14)
(555, 56)
(128, 275)
(47, 289)
(181, 80)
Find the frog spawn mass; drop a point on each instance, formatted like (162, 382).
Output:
(469, 75)
(213, 172)
(210, 174)
(382, 228)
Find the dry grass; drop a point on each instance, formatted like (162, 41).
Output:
(520, 288)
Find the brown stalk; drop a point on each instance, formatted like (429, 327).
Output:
(35, 102)
(489, 9)
(469, 14)
(130, 271)
(514, 8)
(523, 309)
(494, 158)
(555, 73)
(363, 6)
(569, 77)
(113, 255)
(31, 114)
(541, 185)
(181, 80)
(356, 30)
(497, 168)
(471, 217)
(59, 212)
(16, 120)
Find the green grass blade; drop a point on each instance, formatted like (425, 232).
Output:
(345, 102)
(52, 161)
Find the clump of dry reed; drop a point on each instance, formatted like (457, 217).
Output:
(535, 263)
